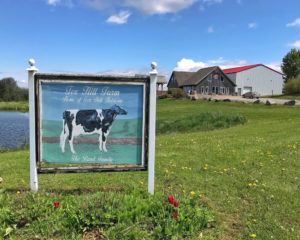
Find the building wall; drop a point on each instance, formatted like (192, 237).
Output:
(172, 83)
(212, 86)
(232, 76)
(260, 79)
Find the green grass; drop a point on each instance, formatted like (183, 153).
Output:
(247, 175)
(14, 106)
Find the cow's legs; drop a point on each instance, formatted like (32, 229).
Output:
(71, 145)
(63, 136)
(100, 141)
(104, 138)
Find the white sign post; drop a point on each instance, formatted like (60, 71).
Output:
(33, 171)
(152, 121)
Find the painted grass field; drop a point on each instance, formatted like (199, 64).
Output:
(241, 182)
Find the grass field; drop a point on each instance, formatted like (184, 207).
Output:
(14, 106)
(245, 177)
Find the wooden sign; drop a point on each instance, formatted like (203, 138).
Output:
(91, 123)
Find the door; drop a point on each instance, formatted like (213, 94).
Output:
(247, 89)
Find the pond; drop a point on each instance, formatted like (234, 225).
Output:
(14, 130)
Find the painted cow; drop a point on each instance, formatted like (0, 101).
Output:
(84, 122)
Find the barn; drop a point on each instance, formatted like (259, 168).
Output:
(210, 80)
(256, 78)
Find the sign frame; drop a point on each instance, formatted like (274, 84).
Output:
(94, 79)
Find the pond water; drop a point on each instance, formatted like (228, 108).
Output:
(14, 129)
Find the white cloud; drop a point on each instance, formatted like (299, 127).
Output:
(159, 6)
(186, 64)
(212, 1)
(54, 3)
(274, 65)
(252, 25)
(210, 29)
(120, 18)
(295, 23)
(295, 44)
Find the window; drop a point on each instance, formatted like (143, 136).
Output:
(222, 79)
(213, 89)
(202, 89)
(207, 89)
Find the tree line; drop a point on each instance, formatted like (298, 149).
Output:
(291, 70)
(10, 91)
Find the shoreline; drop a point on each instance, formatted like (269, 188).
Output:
(21, 106)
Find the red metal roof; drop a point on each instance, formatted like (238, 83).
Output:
(240, 69)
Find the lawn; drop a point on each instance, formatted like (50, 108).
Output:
(242, 181)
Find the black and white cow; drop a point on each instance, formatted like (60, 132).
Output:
(84, 122)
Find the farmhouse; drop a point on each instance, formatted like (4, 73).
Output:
(210, 80)
(256, 78)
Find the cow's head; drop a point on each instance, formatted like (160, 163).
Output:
(118, 110)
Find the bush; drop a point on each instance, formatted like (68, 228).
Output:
(176, 93)
(200, 122)
(292, 86)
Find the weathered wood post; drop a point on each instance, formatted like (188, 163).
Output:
(33, 171)
(152, 121)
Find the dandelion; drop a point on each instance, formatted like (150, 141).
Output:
(192, 193)
(1, 179)
(253, 235)
(56, 204)
(18, 192)
(171, 199)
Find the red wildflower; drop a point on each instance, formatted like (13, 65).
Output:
(175, 215)
(176, 203)
(171, 199)
(56, 204)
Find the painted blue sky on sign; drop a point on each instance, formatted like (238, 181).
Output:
(124, 36)
(58, 97)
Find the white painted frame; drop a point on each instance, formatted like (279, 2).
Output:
(32, 127)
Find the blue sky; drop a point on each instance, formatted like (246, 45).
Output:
(124, 36)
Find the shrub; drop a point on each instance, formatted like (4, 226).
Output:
(200, 122)
(176, 93)
(292, 86)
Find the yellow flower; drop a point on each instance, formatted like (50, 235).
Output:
(192, 193)
(1, 179)
(253, 235)
(18, 192)
(141, 182)
(250, 184)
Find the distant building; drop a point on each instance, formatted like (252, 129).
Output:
(256, 78)
(211, 80)
(161, 81)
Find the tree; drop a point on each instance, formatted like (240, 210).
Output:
(291, 64)
(9, 91)
(293, 85)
